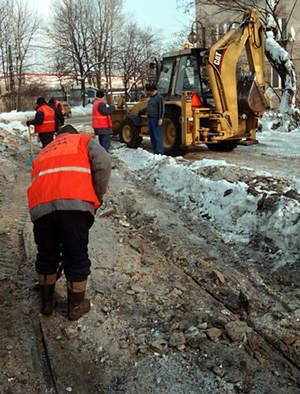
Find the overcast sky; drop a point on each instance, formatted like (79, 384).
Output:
(160, 14)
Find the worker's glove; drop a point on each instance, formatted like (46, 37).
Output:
(28, 123)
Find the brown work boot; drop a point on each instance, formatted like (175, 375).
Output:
(77, 304)
(47, 285)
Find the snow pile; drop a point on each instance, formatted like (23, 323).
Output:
(15, 128)
(239, 212)
(274, 139)
(82, 111)
(7, 117)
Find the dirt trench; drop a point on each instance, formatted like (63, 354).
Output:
(172, 310)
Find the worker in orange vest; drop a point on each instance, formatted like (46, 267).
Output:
(44, 121)
(69, 179)
(102, 123)
(59, 112)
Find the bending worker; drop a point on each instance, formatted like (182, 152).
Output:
(102, 123)
(44, 121)
(70, 177)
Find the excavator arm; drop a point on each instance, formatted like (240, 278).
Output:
(222, 69)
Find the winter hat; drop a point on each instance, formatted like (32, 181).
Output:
(100, 93)
(151, 87)
(67, 129)
(40, 101)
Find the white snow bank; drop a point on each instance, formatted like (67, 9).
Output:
(82, 111)
(15, 128)
(228, 205)
(7, 117)
(277, 142)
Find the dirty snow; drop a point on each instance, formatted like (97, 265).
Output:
(228, 205)
(82, 111)
(8, 117)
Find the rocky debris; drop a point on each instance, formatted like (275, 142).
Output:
(159, 345)
(194, 337)
(104, 213)
(237, 330)
(177, 340)
(218, 277)
(214, 334)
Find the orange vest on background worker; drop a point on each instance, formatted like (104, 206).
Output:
(100, 121)
(57, 103)
(62, 171)
(48, 124)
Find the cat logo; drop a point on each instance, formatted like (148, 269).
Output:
(218, 58)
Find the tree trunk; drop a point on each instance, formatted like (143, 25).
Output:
(82, 84)
(282, 63)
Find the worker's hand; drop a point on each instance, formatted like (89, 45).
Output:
(160, 122)
(28, 123)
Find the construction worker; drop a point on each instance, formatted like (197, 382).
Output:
(102, 123)
(155, 112)
(44, 121)
(59, 112)
(69, 179)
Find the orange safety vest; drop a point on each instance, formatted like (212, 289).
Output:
(100, 121)
(57, 103)
(62, 171)
(48, 124)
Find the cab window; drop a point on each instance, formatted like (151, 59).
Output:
(188, 75)
(165, 77)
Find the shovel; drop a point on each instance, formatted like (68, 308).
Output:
(32, 156)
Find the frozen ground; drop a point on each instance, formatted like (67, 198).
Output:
(175, 308)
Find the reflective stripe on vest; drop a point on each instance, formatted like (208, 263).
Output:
(62, 171)
(100, 121)
(48, 124)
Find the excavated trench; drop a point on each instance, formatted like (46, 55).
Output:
(173, 311)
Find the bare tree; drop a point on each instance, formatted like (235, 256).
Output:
(83, 34)
(137, 47)
(18, 26)
(71, 35)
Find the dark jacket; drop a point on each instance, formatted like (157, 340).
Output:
(156, 107)
(39, 118)
(105, 109)
(59, 117)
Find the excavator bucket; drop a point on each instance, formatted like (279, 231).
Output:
(250, 97)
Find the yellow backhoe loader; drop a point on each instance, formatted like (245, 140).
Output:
(206, 101)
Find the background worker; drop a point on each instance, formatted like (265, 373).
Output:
(102, 123)
(155, 112)
(44, 121)
(59, 112)
(70, 177)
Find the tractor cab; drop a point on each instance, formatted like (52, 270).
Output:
(185, 71)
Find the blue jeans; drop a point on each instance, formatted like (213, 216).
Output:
(104, 140)
(156, 136)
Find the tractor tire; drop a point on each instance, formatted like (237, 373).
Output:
(171, 133)
(130, 134)
(225, 146)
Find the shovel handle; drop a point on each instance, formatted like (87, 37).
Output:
(30, 141)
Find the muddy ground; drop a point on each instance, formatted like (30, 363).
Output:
(175, 309)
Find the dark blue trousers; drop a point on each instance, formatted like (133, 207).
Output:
(104, 140)
(156, 136)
